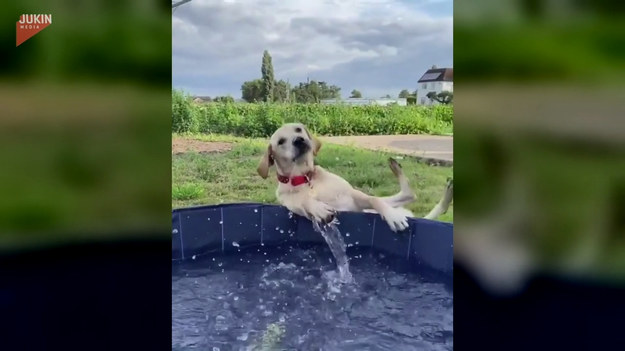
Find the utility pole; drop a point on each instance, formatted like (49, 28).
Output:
(181, 2)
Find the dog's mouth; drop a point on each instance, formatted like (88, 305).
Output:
(301, 148)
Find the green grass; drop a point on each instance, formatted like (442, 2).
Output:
(213, 178)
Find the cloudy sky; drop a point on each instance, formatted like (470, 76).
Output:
(376, 46)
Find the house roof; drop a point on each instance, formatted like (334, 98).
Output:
(438, 75)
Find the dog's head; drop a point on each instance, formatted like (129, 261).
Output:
(291, 149)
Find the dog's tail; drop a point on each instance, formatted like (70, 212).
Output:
(405, 195)
(443, 205)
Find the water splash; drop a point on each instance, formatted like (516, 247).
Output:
(334, 239)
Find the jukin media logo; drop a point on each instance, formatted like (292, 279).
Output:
(29, 25)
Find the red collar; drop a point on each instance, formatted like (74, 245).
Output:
(297, 180)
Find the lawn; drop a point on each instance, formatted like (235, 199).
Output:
(230, 175)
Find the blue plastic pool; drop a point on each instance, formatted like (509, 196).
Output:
(249, 275)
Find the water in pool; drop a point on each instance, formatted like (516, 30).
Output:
(292, 298)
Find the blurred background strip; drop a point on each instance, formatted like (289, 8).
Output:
(540, 173)
(85, 178)
(84, 110)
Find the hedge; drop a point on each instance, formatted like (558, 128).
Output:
(261, 120)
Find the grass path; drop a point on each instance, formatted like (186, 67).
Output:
(230, 176)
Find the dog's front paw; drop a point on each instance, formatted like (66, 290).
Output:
(397, 220)
(321, 212)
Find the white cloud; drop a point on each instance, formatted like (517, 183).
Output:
(375, 46)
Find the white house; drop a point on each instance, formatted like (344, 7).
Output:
(434, 80)
(365, 101)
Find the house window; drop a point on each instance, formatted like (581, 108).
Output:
(425, 85)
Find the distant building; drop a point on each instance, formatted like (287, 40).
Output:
(205, 99)
(434, 80)
(364, 101)
(201, 99)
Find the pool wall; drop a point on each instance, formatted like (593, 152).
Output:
(213, 229)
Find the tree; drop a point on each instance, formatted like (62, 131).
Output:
(355, 94)
(252, 91)
(313, 92)
(387, 96)
(281, 91)
(226, 99)
(444, 97)
(268, 80)
(404, 94)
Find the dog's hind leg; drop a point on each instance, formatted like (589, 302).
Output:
(396, 217)
(405, 195)
(443, 205)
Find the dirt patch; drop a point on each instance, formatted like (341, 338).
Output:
(180, 146)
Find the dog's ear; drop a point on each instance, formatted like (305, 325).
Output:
(265, 162)
(316, 142)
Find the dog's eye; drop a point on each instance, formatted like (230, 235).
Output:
(281, 141)
(298, 130)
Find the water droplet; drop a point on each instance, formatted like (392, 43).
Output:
(281, 231)
(235, 244)
(356, 243)
(220, 264)
(256, 210)
(209, 218)
(221, 222)
(175, 231)
(347, 234)
(213, 258)
(277, 228)
(193, 258)
(236, 298)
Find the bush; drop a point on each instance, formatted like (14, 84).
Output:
(184, 113)
(262, 119)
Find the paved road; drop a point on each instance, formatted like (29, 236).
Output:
(433, 147)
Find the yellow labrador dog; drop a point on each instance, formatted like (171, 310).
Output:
(311, 191)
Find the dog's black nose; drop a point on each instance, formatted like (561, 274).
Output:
(298, 141)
